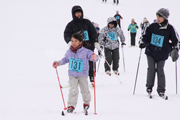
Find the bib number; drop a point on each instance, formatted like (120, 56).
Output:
(112, 36)
(117, 17)
(76, 65)
(86, 35)
(157, 40)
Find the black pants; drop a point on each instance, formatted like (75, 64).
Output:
(119, 23)
(91, 75)
(133, 37)
(153, 67)
(104, 0)
(116, 1)
(112, 57)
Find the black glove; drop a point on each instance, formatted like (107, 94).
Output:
(123, 43)
(174, 54)
(141, 45)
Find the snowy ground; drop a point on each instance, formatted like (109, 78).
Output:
(31, 38)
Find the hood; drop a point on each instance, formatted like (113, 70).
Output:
(112, 19)
(77, 7)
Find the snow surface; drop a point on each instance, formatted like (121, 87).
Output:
(31, 38)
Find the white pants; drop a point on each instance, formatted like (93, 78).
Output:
(74, 91)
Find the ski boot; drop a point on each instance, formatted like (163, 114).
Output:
(70, 109)
(108, 73)
(116, 72)
(149, 90)
(162, 95)
(86, 107)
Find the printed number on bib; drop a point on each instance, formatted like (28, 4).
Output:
(86, 35)
(117, 17)
(157, 40)
(112, 36)
(76, 65)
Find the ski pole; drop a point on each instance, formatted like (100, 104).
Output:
(98, 64)
(176, 76)
(110, 66)
(61, 90)
(94, 67)
(137, 72)
(123, 58)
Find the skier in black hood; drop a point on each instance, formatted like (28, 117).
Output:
(86, 28)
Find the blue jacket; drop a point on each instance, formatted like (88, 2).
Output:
(78, 62)
(157, 41)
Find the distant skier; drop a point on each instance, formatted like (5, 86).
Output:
(156, 40)
(104, 1)
(108, 38)
(118, 17)
(90, 35)
(132, 27)
(116, 2)
(78, 58)
(144, 25)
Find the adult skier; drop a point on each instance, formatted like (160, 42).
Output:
(90, 35)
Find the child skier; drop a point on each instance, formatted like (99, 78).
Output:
(108, 38)
(132, 27)
(158, 47)
(78, 58)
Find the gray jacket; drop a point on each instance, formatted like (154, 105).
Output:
(108, 37)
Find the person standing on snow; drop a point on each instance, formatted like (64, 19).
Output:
(116, 2)
(133, 30)
(78, 58)
(90, 35)
(156, 40)
(108, 38)
(104, 1)
(117, 16)
(144, 25)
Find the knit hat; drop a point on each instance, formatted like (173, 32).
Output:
(163, 12)
(145, 20)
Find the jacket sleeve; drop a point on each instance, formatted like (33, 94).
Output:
(102, 37)
(174, 38)
(121, 35)
(129, 27)
(68, 33)
(90, 54)
(64, 60)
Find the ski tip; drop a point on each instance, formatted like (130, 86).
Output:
(62, 113)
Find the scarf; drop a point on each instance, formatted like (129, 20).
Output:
(75, 49)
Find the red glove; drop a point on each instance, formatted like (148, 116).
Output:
(55, 64)
(94, 57)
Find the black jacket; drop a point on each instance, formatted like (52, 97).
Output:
(157, 41)
(77, 25)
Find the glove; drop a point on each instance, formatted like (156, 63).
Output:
(96, 44)
(94, 56)
(123, 44)
(55, 64)
(174, 55)
(141, 45)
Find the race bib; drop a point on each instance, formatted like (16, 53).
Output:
(112, 36)
(86, 35)
(76, 65)
(157, 40)
(117, 17)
